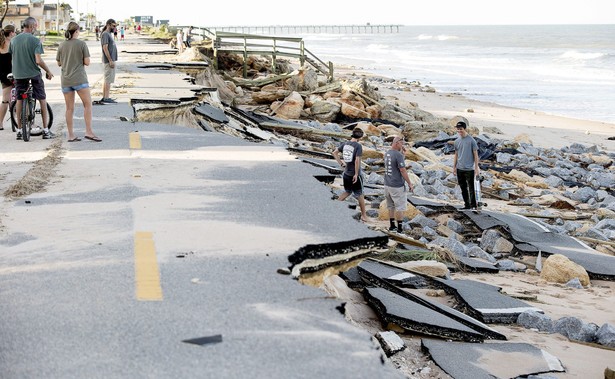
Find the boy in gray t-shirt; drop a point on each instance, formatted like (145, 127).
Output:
(351, 152)
(465, 165)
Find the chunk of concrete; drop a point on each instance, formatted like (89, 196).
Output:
(417, 318)
(370, 269)
(490, 360)
(454, 314)
(391, 343)
(530, 236)
(483, 301)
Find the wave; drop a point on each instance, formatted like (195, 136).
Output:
(576, 55)
(441, 37)
(377, 47)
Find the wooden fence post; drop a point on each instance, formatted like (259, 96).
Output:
(245, 58)
(273, 68)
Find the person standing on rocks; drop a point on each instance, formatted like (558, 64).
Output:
(351, 159)
(465, 165)
(395, 179)
(109, 57)
(188, 38)
(180, 40)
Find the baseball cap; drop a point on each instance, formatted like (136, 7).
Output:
(461, 124)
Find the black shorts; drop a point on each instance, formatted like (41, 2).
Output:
(355, 188)
(38, 87)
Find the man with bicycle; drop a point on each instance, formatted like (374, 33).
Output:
(26, 51)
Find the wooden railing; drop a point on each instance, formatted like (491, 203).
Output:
(255, 44)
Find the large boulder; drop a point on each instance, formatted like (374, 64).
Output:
(353, 112)
(606, 335)
(269, 96)
(368, 128)
(535, 320)
(325, 111)
(575, 329)
(389, 130)
(493, 242)
(410, 213)
(372, 153)
(431, 268)
(559, 269)
(291, 107)
(305, 80)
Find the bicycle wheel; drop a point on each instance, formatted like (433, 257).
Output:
(26, 120)
(13, 118)
(38, 112)
(39, 115)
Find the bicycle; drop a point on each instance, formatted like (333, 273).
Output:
(29, 110)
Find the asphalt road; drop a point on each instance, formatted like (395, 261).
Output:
(161, 234)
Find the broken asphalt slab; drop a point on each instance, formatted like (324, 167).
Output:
(310, 258)
(532, 237)
(212, 113)
(417, 318)
(370, 272)
(369, 269)
(484, 301)
(476, 265)
(490, 360)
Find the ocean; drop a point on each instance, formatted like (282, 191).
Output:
(566, 70)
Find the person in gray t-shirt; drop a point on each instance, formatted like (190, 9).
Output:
(109, 57)
(395, 178)
(465, 165)
(351, 152)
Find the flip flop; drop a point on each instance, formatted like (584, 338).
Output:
(76, 139)
(95, 139)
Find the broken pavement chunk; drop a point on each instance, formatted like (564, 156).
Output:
(391, 343)
(212, 113)
(371, 278)
(531, 237)
(476, 265)
(205, 340)
(395, 275)
(318, 251)
(484, 301)
(490, 360)
(393, 308)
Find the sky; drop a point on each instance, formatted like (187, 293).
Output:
(340, 12)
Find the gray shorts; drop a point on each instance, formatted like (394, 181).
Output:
(396, 198)
(109, 73)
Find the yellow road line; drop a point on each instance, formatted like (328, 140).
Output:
(134, 140)
(147, 274)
